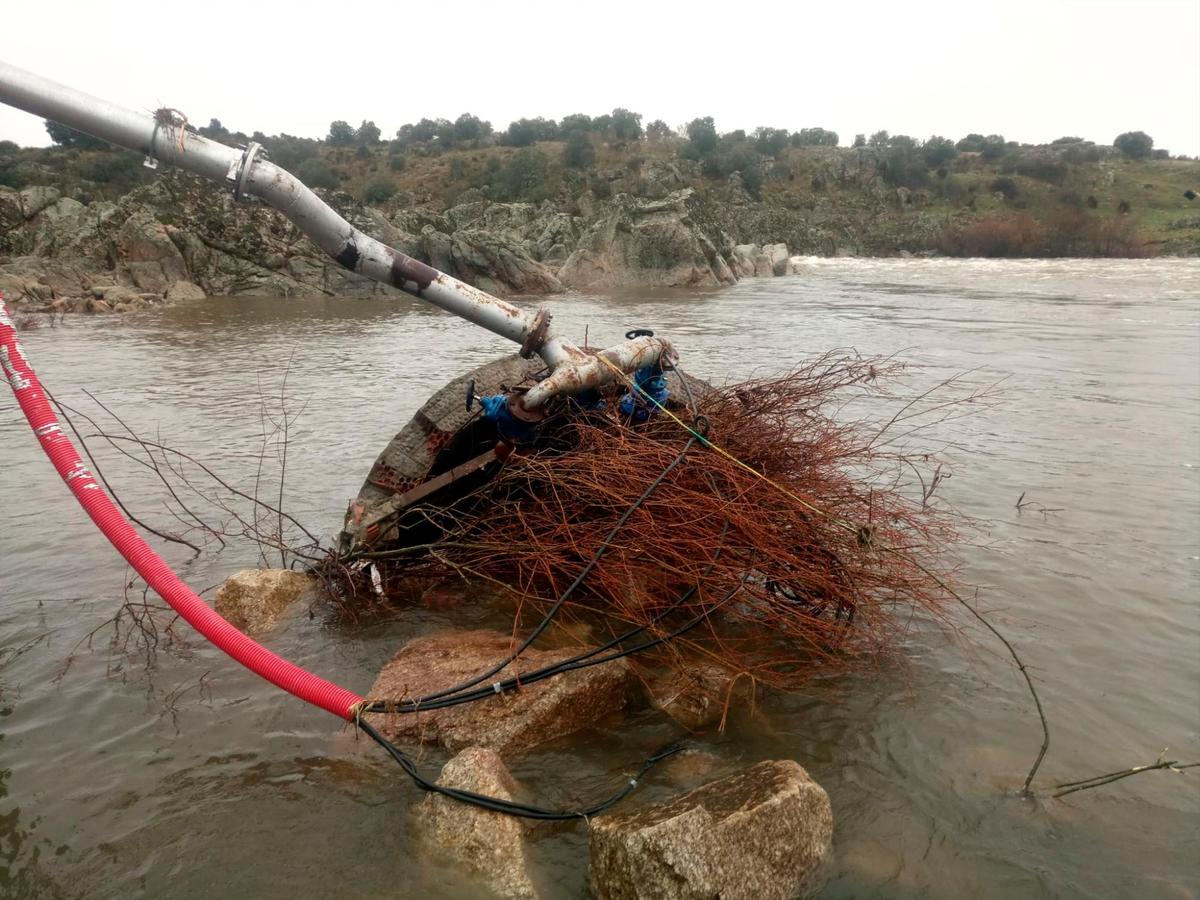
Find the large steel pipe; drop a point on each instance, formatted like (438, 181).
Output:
(164, 137)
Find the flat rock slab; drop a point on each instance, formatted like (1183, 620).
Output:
(254, 599)
(489, 846)
(507, 723)
(761, 833)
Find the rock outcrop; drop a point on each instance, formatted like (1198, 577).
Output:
(646, 242)
(254, 599)
(182, 231)
(762, 833)
(507, 723)
(488, 845)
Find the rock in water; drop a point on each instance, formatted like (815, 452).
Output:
(508, 723)
(762, 833)
(488, 845)
(254, 599)
(640, 242)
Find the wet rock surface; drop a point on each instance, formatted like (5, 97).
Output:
(507, 723)
(694, 695)
(254, 599)
(489, 846)
(761, 833)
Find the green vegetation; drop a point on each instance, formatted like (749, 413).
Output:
(885, 193)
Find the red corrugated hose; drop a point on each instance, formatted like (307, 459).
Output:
(149, 565)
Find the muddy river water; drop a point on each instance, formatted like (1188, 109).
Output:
(190, 778)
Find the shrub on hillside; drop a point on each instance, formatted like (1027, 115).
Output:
(579, 152)
(1134, 144)
(316, 173)
(111, 167)
(1004, 185)
(378, 190)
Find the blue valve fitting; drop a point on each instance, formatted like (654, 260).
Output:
(651, 392)
(496, 409)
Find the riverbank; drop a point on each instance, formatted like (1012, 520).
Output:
(520, 221)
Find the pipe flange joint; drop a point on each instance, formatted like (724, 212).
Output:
(239, 172)
(536, 335)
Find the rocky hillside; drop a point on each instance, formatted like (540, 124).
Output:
(525, 220)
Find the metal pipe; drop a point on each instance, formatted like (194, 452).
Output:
(165, 137)
(592, 371)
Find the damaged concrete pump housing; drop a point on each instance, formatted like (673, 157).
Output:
(166, 137)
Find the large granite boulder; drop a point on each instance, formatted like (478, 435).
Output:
(254, 599)
(489, 846)
(507, 723)
(750, 261)
(761, 834)
(147, 254)
(640, 242)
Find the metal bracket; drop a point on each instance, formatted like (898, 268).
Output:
(536, 336)
(239, 171)
(150, 162)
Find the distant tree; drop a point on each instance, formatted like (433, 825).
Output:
(860, 140)
(602, 125)
(1161, 153)
(1134, 144)
(468, 128)
(574, 122)
(340, 134)
(658, 130)
(397, 162)
(702, 135)
(815, 137)
(8, 147)
(215, 130)
(994, 146)
(524, 132)
(901, 163)
(879, 139)
(1066, 140)
(378, 189)
(579, 152)
(69, 137)
(368, 134)
(938, 150)
(771, 141)
(417, 133)
(316, 173)
(972, 143)
(626, 125)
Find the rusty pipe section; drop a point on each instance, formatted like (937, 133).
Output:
(165, 136)
(597, 369)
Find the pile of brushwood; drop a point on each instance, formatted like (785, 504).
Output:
(742, 526)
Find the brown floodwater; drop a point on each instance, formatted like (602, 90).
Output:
(189, 778)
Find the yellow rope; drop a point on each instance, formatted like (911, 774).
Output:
(721, 450)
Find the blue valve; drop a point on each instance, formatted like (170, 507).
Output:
(641, 404)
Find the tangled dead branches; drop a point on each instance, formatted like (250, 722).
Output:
(786, 544)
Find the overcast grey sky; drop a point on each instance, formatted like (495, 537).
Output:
(1032, 71)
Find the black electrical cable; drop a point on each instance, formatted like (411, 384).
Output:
(508, 807)
(563, 665)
